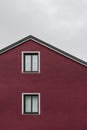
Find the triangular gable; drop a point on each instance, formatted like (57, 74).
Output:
(30, 37)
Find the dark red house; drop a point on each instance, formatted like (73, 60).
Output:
(41, 88)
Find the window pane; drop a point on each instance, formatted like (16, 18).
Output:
(35, 104)
(27, 103)
(27, 62)
(35, 63)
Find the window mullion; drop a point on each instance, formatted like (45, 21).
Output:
(37, 63)
(31, 62)
(31, 104)
(38, 103)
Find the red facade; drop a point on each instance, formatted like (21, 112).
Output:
(62, 84)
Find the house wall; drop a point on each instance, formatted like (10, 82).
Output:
(62, 84)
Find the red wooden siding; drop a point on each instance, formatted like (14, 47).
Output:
(62, 84)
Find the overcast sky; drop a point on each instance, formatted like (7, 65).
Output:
(62, 23)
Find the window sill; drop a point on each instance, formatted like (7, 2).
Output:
(28, 72)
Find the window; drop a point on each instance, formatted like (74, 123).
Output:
(30, 62)
(31, 103)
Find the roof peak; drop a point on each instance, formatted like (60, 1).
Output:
(30, 37)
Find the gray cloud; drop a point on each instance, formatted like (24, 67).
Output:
(58, 22)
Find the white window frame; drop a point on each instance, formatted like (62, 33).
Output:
(23, 103)
(23, 62)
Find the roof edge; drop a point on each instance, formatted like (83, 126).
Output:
(78, 60)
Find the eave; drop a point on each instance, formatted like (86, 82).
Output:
(30, 37)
